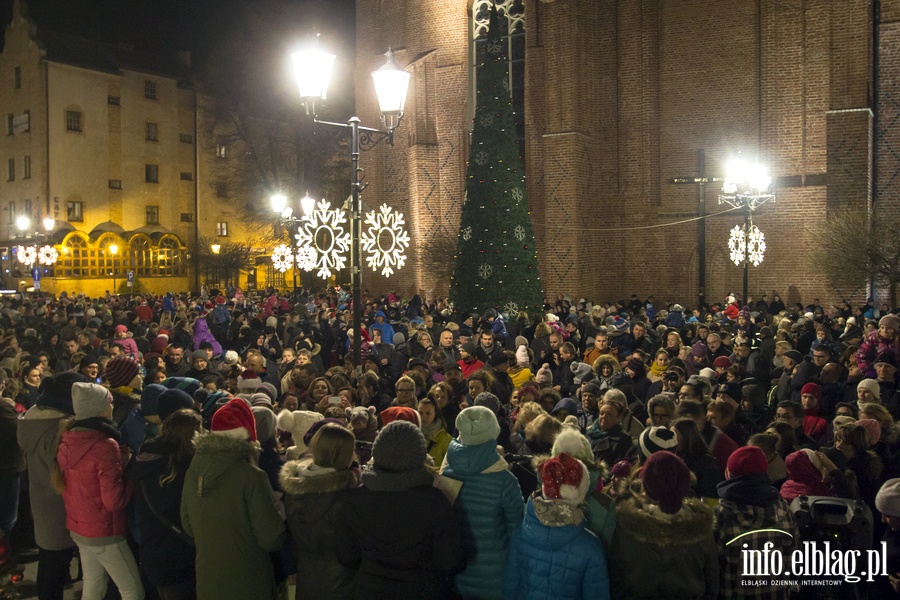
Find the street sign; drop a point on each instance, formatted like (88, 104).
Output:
(130, 278)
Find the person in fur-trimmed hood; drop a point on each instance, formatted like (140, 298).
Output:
(663, 546)
(313, 488)
(228, 508)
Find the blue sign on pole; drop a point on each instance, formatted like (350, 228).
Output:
(36, 274)
(130, 278)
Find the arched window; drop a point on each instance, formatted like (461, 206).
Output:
(141, 256)
(108, 264)
(74, 261)
(169, 259)
(513, 12)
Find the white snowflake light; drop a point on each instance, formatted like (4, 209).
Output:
(517, 194)
(756, 246)
(324, 230)
(27, 255)
(486, 119)
(467, 233)
(282, 258)
(306, 258)
(385, 239)
(48, 255)
(736, 245)
(511, 308)
(481, 157)
(485, 271)
(519, 232)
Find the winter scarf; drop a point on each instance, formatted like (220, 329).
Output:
(431, 429)
(658, 370)
(105, 426)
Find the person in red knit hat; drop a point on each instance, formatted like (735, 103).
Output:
(811, 400)
(228, 508)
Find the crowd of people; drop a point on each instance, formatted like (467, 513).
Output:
(225, 445)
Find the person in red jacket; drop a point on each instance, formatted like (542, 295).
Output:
(89, 460)
(810, 399)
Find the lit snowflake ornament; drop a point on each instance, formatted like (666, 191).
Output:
(511, 308)
(324, 230)
(306, 258)
(48, 255)
(481, 157)
(282, 258)
(485, 271)
(27, 255)
(736, 245)
(517, 194)
(385, 239)
(486, 119)
(756, 246)
(519, 232)
(467, 233)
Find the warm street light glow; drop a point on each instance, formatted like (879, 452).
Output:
(391, 85)
(49, 223)
(307, 204)
(215, 248)
(279, 202)
(312, 69)
(23, 223)
(113, 249)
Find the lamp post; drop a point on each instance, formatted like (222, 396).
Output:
(746, 186)
(114, 250)
(312, 68)
(216, 248)
(288, 219)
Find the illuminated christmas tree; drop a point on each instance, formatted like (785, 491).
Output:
(496, 261)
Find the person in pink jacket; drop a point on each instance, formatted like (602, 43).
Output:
(121, 338)
(95, 494)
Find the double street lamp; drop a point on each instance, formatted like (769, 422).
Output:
(114, 250)
(746, 186)
(312, 69)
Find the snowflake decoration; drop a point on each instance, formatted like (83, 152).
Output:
(481, 157)
(48, 255)
(306, 258)
(517, 194)
(485, 271)
(494, 47)
(323, 230)
(511, 308)
(506, 84)
(486, 119)
(27, 255)
(519, 232)
(282, 258)
(385, 225)
(756, 246)
(736, 245)
(467, 233)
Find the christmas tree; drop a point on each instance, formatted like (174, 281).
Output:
(496, 261)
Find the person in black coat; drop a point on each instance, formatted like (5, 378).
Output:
(166, 552)
(398, 530)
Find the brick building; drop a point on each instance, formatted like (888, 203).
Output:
(621, 99)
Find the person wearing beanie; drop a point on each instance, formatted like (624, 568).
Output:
(199, 365)
(654, 439)
(806, 473)
(96, 495)
(749, 502)
(489, 505)
(469, 362)
(229, 509)
(663, 546)
(36, 434)
(123, 376)
(867, 391)
(398, 530)
(599, 508)
(297, 423)
(885, 339)
(887, 502)
(544, 377)
(166, 555)
(270, 461)
(553, 550)
(143, 422)
(520, 370)
(811, 400)
(122, 337)
(315, 487)
(400, 413)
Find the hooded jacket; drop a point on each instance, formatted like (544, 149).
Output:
(37, 431)
(313, 501)
(488, 510)
(563, 562)
(96, 493)
(228, 508)
(662, 556)
(203, 334)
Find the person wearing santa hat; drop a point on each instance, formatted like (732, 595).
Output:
(228, 508)
(553, 554)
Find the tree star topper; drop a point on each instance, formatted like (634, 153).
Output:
(324, 231)
(385, 239)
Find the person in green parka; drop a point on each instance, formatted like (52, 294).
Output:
(227, 506)
(489, 506)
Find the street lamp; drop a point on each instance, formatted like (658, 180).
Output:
(216, 248)
(746, 186)
(312, 68)
(23, 222)
(113, 249)
(289, 220)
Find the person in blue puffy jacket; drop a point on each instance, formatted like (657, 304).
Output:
(489, 505)
(553, 555)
